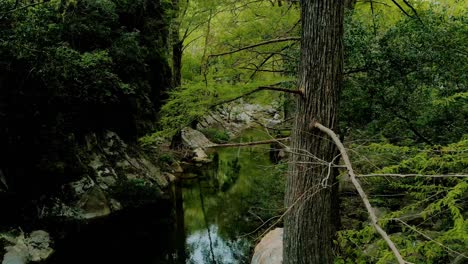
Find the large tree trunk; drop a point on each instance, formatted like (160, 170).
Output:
(309, 226)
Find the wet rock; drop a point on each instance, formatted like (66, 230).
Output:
(195, 139)
(109, 164)
(170, 177)
(82, 186)
(153, 173)
(115, 205)
(199, 155)
(16, 255)
(94, 204)
(39, 245)
(176, 167)
(35, 247)
(270, 248)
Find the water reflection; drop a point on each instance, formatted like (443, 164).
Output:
(214, 205)
(211, 215)
(208, 247)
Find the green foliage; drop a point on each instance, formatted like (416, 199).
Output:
(435, 207)
(86, 51)
(189, 103)
(166, 158)
(216, 135)
(409, 80)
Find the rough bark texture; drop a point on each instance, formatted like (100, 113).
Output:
(309, 228)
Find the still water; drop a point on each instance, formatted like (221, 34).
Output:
(219, 204)
(213, 208)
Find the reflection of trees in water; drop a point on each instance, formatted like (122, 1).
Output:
(206, 224)
(231, 174)
(180, 225)
(217, 204)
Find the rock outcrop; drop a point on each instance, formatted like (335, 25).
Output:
(34, 247)
(270, 248)
(197, 142)
(111, 163)
(238, 116)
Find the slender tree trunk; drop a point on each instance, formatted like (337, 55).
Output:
(309, 226)
(177, 46)
(204, 60)
(177, 63)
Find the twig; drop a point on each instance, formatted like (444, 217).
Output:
(357, 185)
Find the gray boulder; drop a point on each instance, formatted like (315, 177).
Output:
(270, 248)
(35, 247)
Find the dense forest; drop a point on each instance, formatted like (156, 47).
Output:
(199, 126)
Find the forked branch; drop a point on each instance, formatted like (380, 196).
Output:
(357, 185)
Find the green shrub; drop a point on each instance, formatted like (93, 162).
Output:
(216, 135)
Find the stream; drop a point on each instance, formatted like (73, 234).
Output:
(216, 206)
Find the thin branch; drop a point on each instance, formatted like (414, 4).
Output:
(263, 142)
(266, 60)
(357, 185)
(414, 11)
(401, 8)
(279, 89)
(429, 238)
(257, 45)
(264, 70)
(261, 88)
(413, 175)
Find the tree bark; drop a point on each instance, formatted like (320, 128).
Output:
(308, 227)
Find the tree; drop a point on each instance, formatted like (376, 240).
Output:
(309, 229)
(177, 45)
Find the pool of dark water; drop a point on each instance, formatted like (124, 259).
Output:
(213, 210)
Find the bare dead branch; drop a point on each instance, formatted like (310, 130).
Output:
(254, 143)
(357, 185)
(256, 45)
(413, 175)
